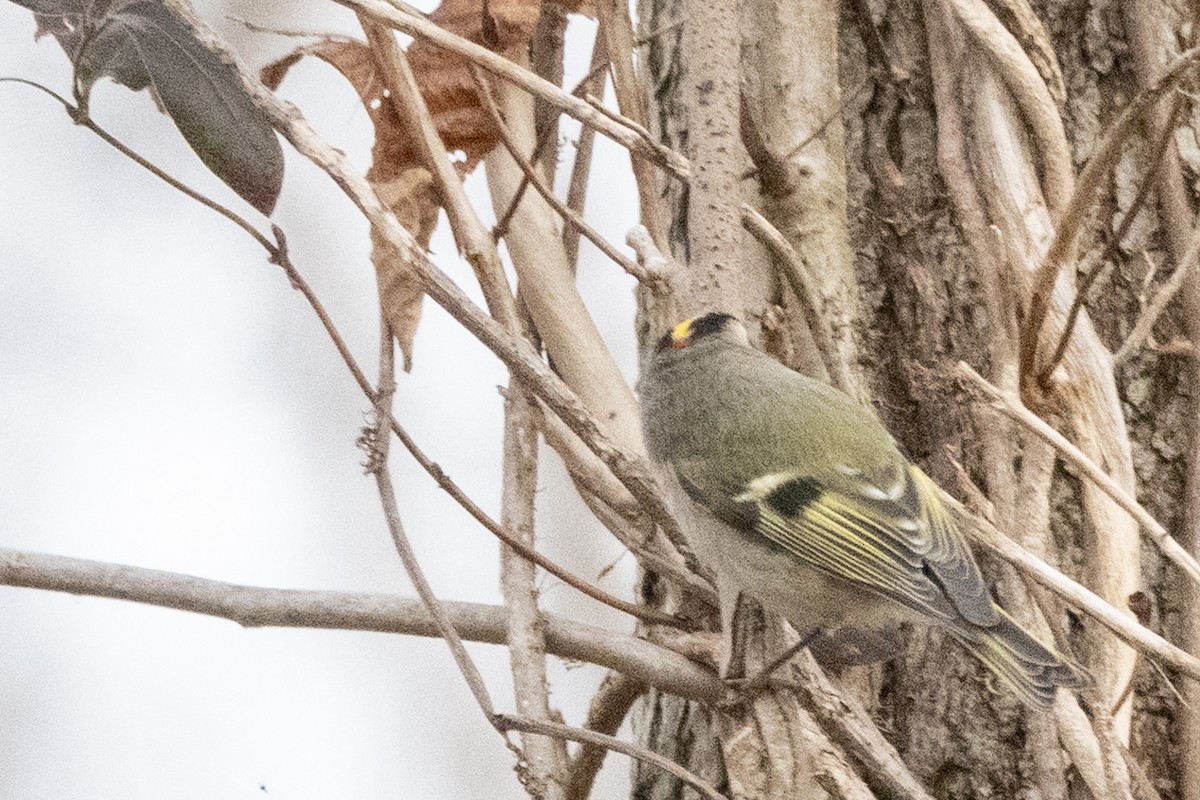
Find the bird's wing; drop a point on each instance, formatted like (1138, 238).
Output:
(887, 533)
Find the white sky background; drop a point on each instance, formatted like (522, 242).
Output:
(168, 401)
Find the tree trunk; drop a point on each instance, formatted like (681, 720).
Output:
(921, 157)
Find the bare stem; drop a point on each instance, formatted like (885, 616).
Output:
(643, 276)
(1012, 407)
(257, 607)
(506, 722)
(518, 583)
(609, 707)
(378, 466)
(1145, 323)
(1070, 225)
(799, 276)
(1093, 272)
(619, 131)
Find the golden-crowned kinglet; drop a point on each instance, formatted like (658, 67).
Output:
(792, 492)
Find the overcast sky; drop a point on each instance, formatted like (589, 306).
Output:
(166, 400)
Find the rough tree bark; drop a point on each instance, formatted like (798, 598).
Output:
(920, 155)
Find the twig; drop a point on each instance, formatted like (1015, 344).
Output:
(256, 607)
(642, 275)
(469, 231)
(1145, 323)
(279, 255)
(1012, 407)
(504, 221)
(762, 680)
(1094, 268)
(500, 229)
(629, 89)
(507, 723)
(546, 767)
(80, 117)
(581, 168)
(616, 116)
(617, 130)
(1119, 622)
(644, 613)
(608, 709)
(377, 465)
(1069, 226)
(849, 725)
(254, 27)
(799, 277)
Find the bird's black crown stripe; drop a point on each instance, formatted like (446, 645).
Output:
(709, 324)
(685, 333)
(792, 497)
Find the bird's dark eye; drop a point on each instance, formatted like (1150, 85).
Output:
(666, 342)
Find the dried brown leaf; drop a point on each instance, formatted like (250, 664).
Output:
(445, 82)
(497, 24)
(413, 200)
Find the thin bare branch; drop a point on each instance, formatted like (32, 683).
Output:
(518, 583)
(799, 276)
(1145, 322)
(81, 118)
(608, 709)
(506, 722)
(258, 607)
(593, 83)
(538, 156)
(444, 481)
(377, 464)
(631, 267)
(630, 90)
(1094, 267)
(1069, 227)
(1012, 407)
(620, 132)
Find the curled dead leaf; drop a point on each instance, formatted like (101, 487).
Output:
(465, 126)
(446, 85)
(497, 24)
(413, 200)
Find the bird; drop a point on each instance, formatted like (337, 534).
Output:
(792, 492)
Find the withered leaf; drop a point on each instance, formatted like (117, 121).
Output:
(445, 83)
(449, 91)
(412, 198)
(144, 44)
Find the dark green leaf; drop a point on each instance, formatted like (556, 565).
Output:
(143, 44)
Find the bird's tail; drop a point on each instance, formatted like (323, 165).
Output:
(1032, 670)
